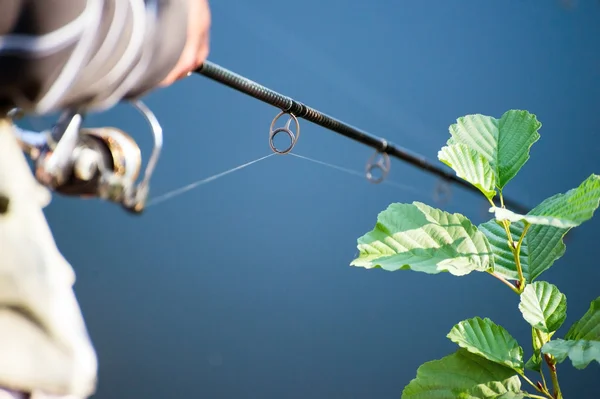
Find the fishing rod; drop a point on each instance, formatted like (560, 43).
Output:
(106, 162)
(296, 109)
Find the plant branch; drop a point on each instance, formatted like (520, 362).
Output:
(505, 281)
(517, 254)
(538, 333)
(544, 385)
(522, 374)
(536, 396)
(525, 228)
(553, 374)
(543, 380)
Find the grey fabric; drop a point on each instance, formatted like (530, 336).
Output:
(27, 74)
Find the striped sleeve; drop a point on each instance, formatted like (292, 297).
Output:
(91, 54)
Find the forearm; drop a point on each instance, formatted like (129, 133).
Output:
(88, 53)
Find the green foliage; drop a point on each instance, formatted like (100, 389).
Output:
(470, 166)
(504, 142)
(538, 339)
(543, 306)
(420, 238)
(488, 153)
(561, 210)
(582, 341)
(462, 375)
(485, 338)
(581, 351)
(541, 247)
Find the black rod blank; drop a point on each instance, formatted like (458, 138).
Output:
(287, 104)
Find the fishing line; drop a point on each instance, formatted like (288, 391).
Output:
(378, 161)
(179, 191)
(356, 173)
(114, 181)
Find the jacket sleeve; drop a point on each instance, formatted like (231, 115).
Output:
(89, 54)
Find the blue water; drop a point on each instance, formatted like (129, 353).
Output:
(242, 287)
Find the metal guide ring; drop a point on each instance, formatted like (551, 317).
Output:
(442, 192)
(274, 132)
(379, 160)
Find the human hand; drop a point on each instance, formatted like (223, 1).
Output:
(197, 45)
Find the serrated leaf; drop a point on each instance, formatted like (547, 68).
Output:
(504, 142)
(506, 214)
(542, 246)
(582, 341)
(421, 238)
(462, 375)
(567, 210)
(470, 166)
(534, 363)
(588, 327)
(581, 352)
(485, 338)
(543, 306)
(512, 395)
(538, 339)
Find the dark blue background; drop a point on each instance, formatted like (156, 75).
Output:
(242, 288)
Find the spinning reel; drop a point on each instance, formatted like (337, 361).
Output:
(93, 162)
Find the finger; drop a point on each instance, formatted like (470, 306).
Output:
(187, 58)
(197, 44)
(200, 55)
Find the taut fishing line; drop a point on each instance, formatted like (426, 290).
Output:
(177, 192)
(356, 173)
(378, 161)
(182, 190)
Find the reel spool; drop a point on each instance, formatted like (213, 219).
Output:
(102, 162)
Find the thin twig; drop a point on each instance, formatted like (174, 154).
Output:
(522, 374)
(505, 281)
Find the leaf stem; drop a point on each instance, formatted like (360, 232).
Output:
(535, 396)
(554, 375)
(522, 374)
(505, 281)
(543, 379)
(538, 333)
(517, 253)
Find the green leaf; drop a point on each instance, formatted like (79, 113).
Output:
(588, 327)
(506, 214)
(538, 338)
(581, 352)
(462, 375)
(534, 363)
(561, 210)
(582, 341)
(485, 338)
(542, 246)
(470, 166)
(543, 306)
(512, 395)
(504, 142)
(424, 239)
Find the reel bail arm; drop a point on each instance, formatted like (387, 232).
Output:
(94, 162)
